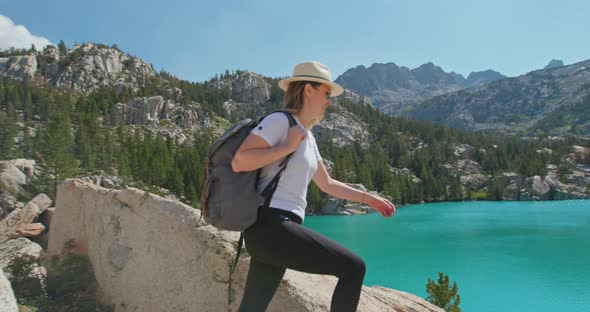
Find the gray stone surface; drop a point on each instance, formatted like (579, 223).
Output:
(136, 240)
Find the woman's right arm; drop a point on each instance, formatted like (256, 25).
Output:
(255, 152)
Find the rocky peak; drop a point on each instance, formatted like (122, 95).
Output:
(397, 89)
(431, 74)
(377, 77)
(84, 68)
(482, 77)
(245, 87)
(553, 100)
(250, 87)
(554, 64)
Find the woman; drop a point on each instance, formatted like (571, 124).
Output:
(277, 240)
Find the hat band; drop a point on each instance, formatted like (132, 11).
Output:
(310, 76)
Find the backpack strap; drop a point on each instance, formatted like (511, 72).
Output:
(270, 189)
(233, 268)
(267, 193)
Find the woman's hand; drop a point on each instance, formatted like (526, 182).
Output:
(385, 207)
(296, 135)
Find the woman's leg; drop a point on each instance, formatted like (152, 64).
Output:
(261, 285)
(282, 243)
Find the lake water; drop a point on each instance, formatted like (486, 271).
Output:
(504, 256)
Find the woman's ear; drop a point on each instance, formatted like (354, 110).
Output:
(307, 89)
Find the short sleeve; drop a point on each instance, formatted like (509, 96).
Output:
(273, 129)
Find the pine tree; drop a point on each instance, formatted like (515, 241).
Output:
(8, 126)
(28, 105)
(63, 50)
(56, 158)
(442, 294)
(455, 188)
(314, 200)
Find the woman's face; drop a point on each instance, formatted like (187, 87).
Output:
(320, 100)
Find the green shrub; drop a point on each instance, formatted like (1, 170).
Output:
(442, 294)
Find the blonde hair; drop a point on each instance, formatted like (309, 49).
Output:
(293, 99)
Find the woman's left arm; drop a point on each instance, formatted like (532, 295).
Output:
(338, 189)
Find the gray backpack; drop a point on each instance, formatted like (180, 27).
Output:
(229, 200)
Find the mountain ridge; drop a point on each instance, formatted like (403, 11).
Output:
(396, 89)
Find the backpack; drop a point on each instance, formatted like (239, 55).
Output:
(229, 200)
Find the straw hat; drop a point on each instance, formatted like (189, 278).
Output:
(312, 71)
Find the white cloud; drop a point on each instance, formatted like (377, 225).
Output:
(18, 36)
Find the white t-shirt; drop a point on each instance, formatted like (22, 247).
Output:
(292, 189)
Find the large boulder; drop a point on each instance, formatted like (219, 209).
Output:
(153, 254)
(8, 202)
(464, 151)
(21, 217)
(562, 191)
(477, 181)
(7, 299)
(26, 166)
(535, 188)
(463, 167)
(14, 253)
(11, 178)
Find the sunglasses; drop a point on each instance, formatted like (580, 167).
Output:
(328, 93)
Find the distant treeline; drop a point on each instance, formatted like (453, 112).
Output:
(78, 135)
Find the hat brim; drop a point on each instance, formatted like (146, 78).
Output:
(336, 89)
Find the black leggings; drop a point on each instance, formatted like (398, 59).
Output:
(277, 241)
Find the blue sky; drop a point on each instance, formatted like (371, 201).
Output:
(195, 40)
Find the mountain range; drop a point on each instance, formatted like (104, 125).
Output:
(553, 100)
(396, 89)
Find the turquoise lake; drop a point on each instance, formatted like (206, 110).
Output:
(504, 256)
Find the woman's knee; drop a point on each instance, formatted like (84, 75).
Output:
(356, 268)
(360, 267)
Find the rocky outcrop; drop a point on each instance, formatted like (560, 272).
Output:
(20, 249)
(17, 223)
(26, 166)
(405, 172)
(152, 110)
(464, 151)
(83, 68)
(163, 116)
(14, 173)
(135, 240)
(245, 87)
(342, 128)
(354, 98)
(22, 67)
(535, 188)
(7, 299)
(11, 178)
(250, 87)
